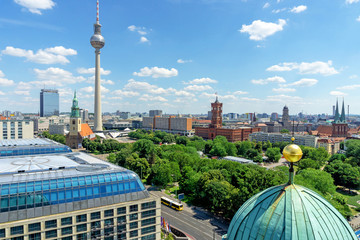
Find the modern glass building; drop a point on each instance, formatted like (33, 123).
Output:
(49, 102)
(74, 196)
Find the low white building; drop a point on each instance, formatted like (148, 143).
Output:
(16, 129)
(305, 140)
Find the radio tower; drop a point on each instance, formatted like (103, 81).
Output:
(98, 42)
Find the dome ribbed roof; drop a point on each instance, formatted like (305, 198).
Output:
(288, 212)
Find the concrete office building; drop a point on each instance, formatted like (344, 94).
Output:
(153, 113)
(16, 129)
(49, 102)
(43, 123)
(172, 124)
(305, 140)
(73, 196)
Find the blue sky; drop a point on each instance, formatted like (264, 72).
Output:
(175, 55)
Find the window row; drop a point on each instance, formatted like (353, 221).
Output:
(62, 183)
(23, 201)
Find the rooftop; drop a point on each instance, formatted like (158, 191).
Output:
(52, 166)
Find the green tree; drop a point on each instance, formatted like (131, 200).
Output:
(144, 147)
(169, 138)
(266, 145)
(344, 174)
(308, 163)
(182, 140)
(273, 154)
(337, 156)
(284, 131)
(218, 150)
(317, 180)
(243, 147)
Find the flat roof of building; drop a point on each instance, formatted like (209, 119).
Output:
(238, 159)
(52, 166)
(27, 142)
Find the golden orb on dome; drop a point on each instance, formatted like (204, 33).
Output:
(292, 139)
(292, 153)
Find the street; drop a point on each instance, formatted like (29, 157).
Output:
(194, 222)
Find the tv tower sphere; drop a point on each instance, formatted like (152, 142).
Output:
(96, 40)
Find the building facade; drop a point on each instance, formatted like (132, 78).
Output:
(171, 124)
(42, 124)
(49, 102)
(72, 196)
(216, 127)
(153, 113)
(304, 140)
(16, 129)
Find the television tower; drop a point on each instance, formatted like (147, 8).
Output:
(98, 42)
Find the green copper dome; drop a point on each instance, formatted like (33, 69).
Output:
(288, 212)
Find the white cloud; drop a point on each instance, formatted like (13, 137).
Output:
(24, 93)
(304, 82)
(202, 81)
(4, 81)
(284, 89)
(298, 9)
(266, 5)
(47, 56)
(353, 76)
(23, 86)
(143, 39)
(184, 93)
(337, 93)
(139, 86)
(351, 1)
(2, 93)
(139, 30)
(36, 6)
(198, 88)
(278, 10)
(250, 99)
(147, 97)
(317, 67)
(92, 71)
(349, 87)
(284, 98)
(228, 97)
(103, 81)
(156, 72)
(259, 30)
(358, 19)
(275, 79)
(90, 89)
(240, 93)
(133, 85)
(183, 61)
(126, 93)
(55, 77)
(60, 50)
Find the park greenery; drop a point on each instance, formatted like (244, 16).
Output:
(222, 186)
(55, 137)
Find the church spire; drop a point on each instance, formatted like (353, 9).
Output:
(342, 117)
(337, 117)
(75, 110)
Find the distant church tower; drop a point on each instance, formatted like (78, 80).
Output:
(285, 116)
(339, 126)
(74, 139)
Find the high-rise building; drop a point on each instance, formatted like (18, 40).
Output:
(84, 113)
(153, 113)
(274, 116)
(97, 41)
(49, 102)
(59, 194)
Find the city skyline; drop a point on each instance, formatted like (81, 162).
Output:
(175, 54)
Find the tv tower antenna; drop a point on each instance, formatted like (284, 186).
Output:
(98, 42)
